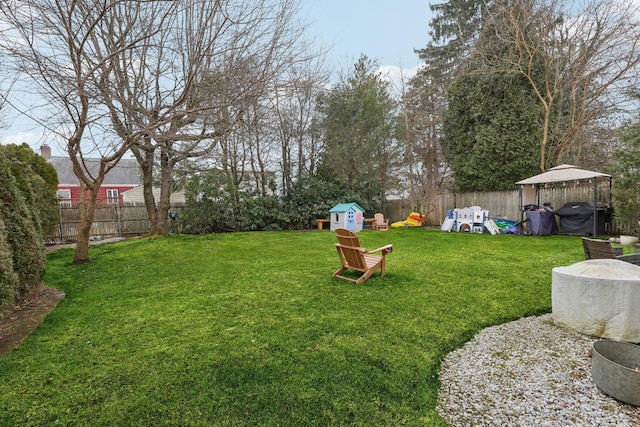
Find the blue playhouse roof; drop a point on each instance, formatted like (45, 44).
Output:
(343, 207)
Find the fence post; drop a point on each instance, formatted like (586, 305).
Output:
(118, 218)
(60, 224)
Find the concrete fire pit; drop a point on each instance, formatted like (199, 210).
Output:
(598, 297)
(616, 370)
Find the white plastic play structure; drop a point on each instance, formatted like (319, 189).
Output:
(473, 220)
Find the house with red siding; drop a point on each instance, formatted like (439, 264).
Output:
(123, 177)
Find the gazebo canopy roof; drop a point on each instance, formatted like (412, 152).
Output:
(562, 173)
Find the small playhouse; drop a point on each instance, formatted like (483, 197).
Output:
(346, 215)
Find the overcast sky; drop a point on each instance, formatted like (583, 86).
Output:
(385, 30)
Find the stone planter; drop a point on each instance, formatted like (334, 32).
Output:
(615, 369)
(598, 297)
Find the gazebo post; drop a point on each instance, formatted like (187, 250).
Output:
(521, 231)
(611, 207)
(595, 207)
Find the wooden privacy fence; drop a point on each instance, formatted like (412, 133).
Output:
(501, 204)
(110, 221)
(132, 220)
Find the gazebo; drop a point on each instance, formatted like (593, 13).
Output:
(528, 190)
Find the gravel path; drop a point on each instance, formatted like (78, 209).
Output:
(527, 373)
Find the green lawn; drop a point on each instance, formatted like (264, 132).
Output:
(250, 329)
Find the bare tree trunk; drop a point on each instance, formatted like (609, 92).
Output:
(87, 215)
(145, 157)
(545, 139)
(164, 204)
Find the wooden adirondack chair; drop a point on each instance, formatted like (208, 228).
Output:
(355, 257)
(599, 249)
(380, 223)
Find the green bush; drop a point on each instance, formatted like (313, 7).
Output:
(37, 180)
(23, 237)
(263, 213)
(210, 209)
(207, 215)
(8, 277)
(311, 198)
(626, 191)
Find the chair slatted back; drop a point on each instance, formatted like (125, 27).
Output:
(599, 249)
(355, 257)
(349, 247)
(352, 258)
(381, 224)
(347, 238)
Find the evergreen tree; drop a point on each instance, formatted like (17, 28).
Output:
(626, 189)
(491, 137)
(8, 277)
(24, 240)
(37, 180)
(491, 124)
(455, 26)
(358, 127)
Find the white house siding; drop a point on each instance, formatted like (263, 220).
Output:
(135, 195)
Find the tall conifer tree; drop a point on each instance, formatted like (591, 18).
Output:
(359, 122)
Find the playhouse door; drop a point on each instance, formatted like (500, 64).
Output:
(351, 220)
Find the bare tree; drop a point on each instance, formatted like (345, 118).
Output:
(262, 148)
(296, 120)
(420, 128)
(192, 87)
(51, 45)
(579, 58)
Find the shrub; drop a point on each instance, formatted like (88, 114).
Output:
(23, 238)
(211, 209)
(311, 198)
(263, 213)
(8, 277)
(627, 179)
(37, 180)
(207, 216)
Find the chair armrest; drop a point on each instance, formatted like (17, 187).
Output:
(384, 249)
(363, 250)
(633, 258)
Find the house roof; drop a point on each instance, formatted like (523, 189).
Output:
(562, 173)
(126, 172)
(343, 207)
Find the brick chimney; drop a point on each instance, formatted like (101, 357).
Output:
(45, 151)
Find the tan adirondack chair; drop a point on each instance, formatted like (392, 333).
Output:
(599, 249)
(354, 257)
(380, 223)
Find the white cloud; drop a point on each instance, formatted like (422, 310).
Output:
(398, 76)
(30, 138)
(34, 138)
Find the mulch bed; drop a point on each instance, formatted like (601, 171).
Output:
(17, 323)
